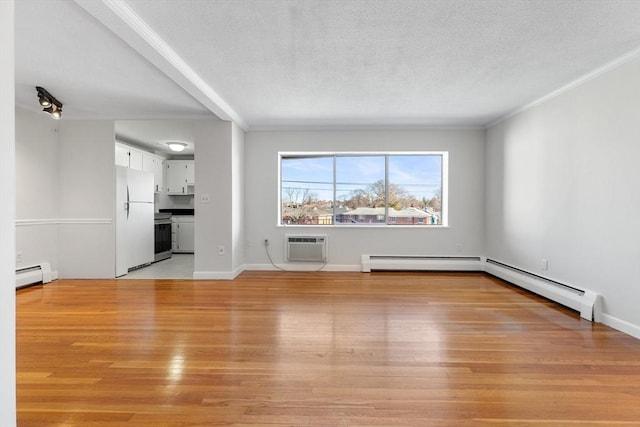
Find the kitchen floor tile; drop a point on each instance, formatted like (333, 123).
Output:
(179, 266)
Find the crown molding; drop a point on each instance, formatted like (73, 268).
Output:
(124, 22)
(364, 128)
(577, 82)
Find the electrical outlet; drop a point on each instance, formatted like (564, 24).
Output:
(18, 257)
(266, 242)
(220, 250)
(204, 198)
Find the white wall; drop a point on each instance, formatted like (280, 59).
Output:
(463, 236)
(7, 218)
(65, 195)
(86, 159)
(237, 195)
(562, 184)
(214, 168)
(36, 189)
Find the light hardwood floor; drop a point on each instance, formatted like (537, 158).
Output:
(316, 349)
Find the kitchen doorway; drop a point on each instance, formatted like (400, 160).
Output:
(174, 191)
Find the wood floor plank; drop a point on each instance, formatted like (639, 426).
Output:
(317, 349)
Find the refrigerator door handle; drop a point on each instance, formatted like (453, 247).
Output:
(126, 204)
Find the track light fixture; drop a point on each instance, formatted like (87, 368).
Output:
(53, 110)
(49, 102)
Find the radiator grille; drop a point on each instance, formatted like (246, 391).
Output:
(33, 274)
(305, 248)
(420, 263)
(535, 276)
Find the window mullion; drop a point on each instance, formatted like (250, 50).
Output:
(333, 210)
(386, 189)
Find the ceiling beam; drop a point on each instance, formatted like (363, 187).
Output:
(123, 21)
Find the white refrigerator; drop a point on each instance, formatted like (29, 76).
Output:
(134, 219)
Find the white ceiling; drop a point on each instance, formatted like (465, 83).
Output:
(154, 135)
(89, 69)
(315, 63)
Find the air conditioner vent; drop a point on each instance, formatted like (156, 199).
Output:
(305, 248)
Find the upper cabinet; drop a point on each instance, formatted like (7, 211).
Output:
(153, 164)
(122, 155)
(191, 172)
(135, 159)
(181, 177)
(141, 160)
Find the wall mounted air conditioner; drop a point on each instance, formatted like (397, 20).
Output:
(305, 248)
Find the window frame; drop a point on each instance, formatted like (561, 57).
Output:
(444, 211)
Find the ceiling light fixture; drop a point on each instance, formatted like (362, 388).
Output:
(49, 102)
(176, 146)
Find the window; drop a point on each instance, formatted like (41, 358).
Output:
(359, 184)
(363, 188)
(306, 190)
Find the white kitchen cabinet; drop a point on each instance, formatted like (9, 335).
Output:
(186, 237)
(153, 164)
(183, 233)
(158, 173)
(180, 177)
(191, 172)
(122, 155)
(128, 157)
(133, 158)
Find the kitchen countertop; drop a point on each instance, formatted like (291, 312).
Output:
(179, 211)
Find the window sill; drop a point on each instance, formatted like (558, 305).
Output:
(368, 226)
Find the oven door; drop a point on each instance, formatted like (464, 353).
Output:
(162, 239)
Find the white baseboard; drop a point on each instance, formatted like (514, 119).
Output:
(621, 325)
(294, 267)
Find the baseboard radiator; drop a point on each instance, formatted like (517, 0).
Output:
(419, 263)
(587, 303)
(32, 275)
